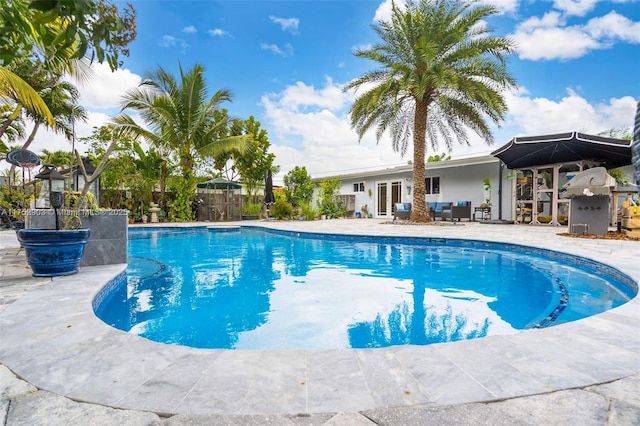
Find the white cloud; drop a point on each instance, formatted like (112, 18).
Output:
(310, 127)
(300, 96)
(168, 41)
(536, 116)
(548, 38)
(554, 43)
(189, 29)
(286, 50)
(549, 20)
(105, 89)
(614, 26)
(503, 6)
(575, 7)
(383, 12)
(217, 32)
(287, 24)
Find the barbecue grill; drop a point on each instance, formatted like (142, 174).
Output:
(590, 192)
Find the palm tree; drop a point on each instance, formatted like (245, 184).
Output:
(441, 74)
(182, 119)
(60, 159)
(14, 88)
(61, 99)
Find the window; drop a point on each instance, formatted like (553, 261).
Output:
(432, 185)
(358, 187)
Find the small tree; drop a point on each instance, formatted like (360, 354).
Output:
(328, 202)
(298, 186)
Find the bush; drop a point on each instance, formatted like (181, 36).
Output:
(251, 209)
(281, 209)
(308, 212)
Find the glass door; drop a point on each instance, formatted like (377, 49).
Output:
(381, 205)
(388, 193)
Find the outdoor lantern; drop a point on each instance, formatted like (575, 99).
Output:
(56, 188)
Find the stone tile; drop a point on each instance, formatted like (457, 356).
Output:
(335, 382)
(280, 385)
(570, 407)
(389, 382)
(164, 392)
(44, 408)
(627, 390)
(486, 362)
(223, 387)
(440, 378)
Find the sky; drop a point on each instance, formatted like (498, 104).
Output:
(577, 66)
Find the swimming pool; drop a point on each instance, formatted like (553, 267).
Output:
(257, 289)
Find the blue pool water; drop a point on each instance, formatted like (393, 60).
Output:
(255, 289)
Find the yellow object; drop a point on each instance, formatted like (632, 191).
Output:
(625, 204)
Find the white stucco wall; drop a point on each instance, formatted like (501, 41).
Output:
(460, 180)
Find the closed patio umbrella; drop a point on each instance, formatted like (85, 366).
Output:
(635, 148)
(269, 199)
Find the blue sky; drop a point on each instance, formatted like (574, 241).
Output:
(577, 67)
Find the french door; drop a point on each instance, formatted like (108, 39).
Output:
(387, 194)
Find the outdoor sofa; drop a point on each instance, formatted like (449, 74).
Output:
(436, 208)
(459, 210)
(402, 211)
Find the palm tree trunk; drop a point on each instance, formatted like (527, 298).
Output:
(419, 208)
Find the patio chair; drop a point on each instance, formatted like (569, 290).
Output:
(438, 209)
(402, 211)
(460, 210)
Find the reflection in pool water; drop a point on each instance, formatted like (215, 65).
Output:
(255, 289)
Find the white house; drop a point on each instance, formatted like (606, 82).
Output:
(446, 181)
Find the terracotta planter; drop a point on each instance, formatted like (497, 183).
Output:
(52, 253)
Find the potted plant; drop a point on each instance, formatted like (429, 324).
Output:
(251, 211)
(59, 251)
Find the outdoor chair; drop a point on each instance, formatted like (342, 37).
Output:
(436, 208)
(460, 210)
(402, 211)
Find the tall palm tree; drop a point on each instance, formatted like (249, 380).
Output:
(441, 74)
(181, 118)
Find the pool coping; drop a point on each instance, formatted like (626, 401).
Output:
(51, 338)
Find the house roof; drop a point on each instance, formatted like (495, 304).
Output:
(408, 168)
(526, 151)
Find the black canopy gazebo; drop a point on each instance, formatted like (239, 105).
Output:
(544, 163)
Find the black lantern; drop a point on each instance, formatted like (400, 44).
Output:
(54, 186)
(56, 189)
(56, 192)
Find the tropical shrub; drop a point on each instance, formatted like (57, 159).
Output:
(251, 209)
(308, 212)
(281, 209)
(328, 202)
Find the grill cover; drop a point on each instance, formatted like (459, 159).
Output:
(595, 181)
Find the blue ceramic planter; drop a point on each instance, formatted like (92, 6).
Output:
(53, 253)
